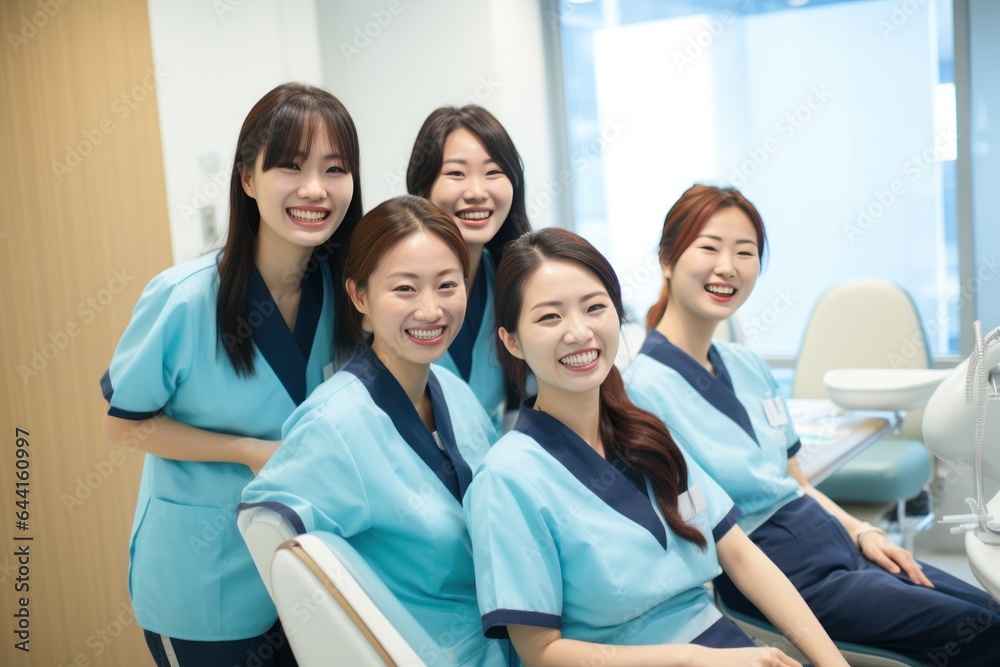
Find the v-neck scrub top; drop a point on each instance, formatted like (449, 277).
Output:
(564, 539)
(191, 575)
(746, 455)
(357, 461)
(483, 374)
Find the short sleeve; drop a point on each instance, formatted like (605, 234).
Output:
(515, 549)
(154, 353)
(312, 480)
(792, 442)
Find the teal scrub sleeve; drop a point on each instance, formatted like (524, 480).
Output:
(722, 511)
(154, 354)
(313, 480)
(515, 551)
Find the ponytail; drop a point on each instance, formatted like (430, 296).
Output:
(655, 313)
(640, 440)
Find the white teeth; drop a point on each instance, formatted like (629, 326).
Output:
(307, 216)
(581, 359)
(474, 215)
(717, 289)
(425, 334)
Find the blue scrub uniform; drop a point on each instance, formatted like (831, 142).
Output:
(472, 355)
(565, 539)
(358, 461)
(721, 420)
(191, 575)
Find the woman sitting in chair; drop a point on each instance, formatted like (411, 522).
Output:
(381, 453)
(593, 538)
(723, 406)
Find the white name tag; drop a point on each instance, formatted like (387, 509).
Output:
(692, 502)
(777, 413)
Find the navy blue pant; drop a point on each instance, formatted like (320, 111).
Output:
(270, 649)
(858, 601)
(723, 634)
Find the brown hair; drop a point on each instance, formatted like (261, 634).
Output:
(381, 230)
(684, 222)
(281, 124)
(428, 155)
(631, 435)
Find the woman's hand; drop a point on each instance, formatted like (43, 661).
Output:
(768, 656)
(882, 551)
(260, 452)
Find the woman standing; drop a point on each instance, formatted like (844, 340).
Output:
(219, 352)
(465, 163)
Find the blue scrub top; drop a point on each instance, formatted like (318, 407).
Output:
(565, 539)
(357, 461)
(191, 574)
(720, 421)
(485, 377)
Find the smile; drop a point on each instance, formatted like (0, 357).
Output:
(474, 218)
(307, 217)
(719, 289)
(426, 336)
(580, 359)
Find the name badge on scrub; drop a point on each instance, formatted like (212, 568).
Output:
(692, 502)
(777, 413)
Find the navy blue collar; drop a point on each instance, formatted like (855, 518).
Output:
(461, 349)
(286, 353)
(448, 465)
(716, 389)
(611, 481)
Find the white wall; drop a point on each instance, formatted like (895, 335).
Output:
(216, 59)
(392, 62)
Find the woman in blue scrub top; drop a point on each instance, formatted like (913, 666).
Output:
(592, 535)
(383, 452)
(465, 162)
(723, 406)
(219, 352)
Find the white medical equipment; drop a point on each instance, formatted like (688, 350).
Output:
(962, 423)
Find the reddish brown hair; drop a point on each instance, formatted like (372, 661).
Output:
(684, 222)
(630, 434)
(381, 230)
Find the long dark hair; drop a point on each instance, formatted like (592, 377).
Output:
(428, 155)
(631, 435)
(381, 230)
(684, 222)
(281, 124)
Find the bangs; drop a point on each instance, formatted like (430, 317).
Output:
(290, 134)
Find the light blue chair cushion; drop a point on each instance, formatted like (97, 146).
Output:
(889, 470)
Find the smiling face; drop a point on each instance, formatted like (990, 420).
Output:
(414, 301)
(716, 274)
(567, 331)
(472, 188)
(303, 201)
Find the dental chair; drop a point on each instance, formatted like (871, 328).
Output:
(334, 609)
(871, 323)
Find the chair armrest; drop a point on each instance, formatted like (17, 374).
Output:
(264, 530)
